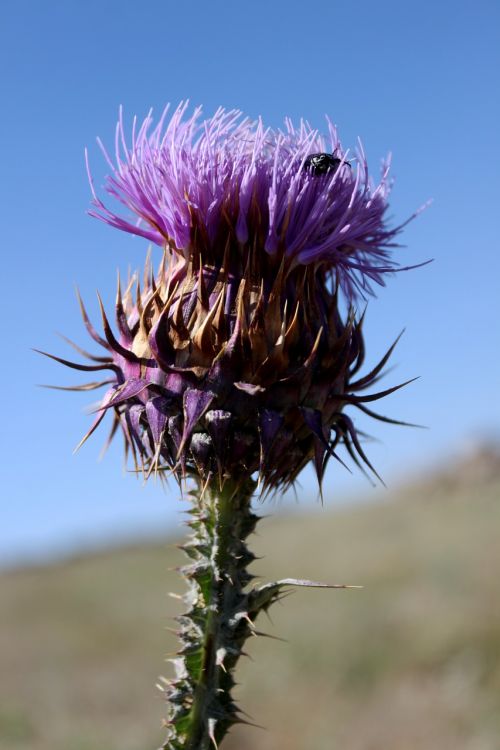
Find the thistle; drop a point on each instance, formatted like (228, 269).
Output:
(239, 361)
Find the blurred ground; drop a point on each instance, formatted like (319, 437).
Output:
(411, 662)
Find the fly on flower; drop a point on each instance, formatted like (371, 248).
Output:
(319, 164)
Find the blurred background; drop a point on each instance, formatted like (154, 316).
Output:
(413, 660)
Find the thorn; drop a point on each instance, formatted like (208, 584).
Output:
(273, 637)
(212, 723)
(248, 723)
(91, 431)
(247, 618)
(174, 631)
(269, 616)
(312, 584)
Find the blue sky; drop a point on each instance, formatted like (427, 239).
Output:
(420, 80)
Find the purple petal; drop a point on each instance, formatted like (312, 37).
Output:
(231, 173)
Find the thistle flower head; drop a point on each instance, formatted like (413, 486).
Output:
(235, 358)
(198, 185)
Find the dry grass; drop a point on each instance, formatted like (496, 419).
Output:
(411, 662)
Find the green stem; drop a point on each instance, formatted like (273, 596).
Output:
(220, 615)
(218, 620)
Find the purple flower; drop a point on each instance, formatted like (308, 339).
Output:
(235, 358)
(198, 185)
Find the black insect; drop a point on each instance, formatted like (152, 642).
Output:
(319, 164)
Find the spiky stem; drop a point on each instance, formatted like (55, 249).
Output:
(219, 618)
